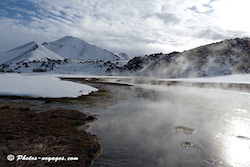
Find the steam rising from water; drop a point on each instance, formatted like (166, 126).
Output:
(141, 130)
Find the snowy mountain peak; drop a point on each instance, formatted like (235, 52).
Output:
(69, 40)
(24, 47)
(74, 48)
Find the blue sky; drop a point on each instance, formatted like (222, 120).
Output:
(136, 27)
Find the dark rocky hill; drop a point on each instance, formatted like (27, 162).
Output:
(221, 58)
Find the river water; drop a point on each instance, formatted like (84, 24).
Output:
(175, 126)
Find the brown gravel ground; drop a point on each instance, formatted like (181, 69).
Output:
(49, 133)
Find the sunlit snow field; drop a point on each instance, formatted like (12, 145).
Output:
(41, 86)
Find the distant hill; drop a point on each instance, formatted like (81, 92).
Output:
(222, 58)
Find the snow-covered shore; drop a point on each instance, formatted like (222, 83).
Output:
(46, 86)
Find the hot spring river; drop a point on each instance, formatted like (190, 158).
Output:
(176, 126)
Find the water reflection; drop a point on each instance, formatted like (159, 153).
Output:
(141, 131)
(237, 150)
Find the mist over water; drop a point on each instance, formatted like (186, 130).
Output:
(141, 131)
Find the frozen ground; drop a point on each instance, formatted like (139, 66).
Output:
(41, 86)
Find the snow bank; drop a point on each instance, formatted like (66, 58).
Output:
(237, 78)
(41, 86)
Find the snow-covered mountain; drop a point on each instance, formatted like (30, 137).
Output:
(74, 48)
(221, 58)
(76, 56)
(72, 55)
(32, 51)
(31, 57)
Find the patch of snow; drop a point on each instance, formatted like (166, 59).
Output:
(41, 86)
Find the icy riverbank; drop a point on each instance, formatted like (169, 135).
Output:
(46, 86)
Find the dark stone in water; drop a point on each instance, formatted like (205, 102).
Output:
(90, 118)
(187, 144)
(243, 137)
